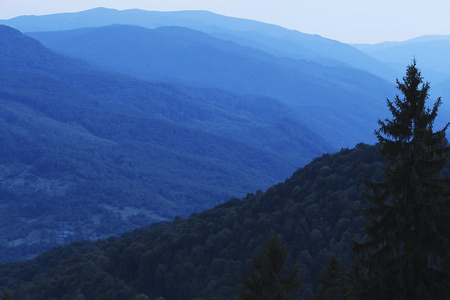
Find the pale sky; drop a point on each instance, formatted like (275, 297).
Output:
(348, 21)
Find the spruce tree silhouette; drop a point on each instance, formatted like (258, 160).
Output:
(407, 255)
(267, 282)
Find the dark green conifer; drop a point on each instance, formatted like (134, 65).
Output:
(332, 281)
(267, 282)
(5, 296)
(407, 255)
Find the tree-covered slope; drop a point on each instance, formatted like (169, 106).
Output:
(316, 212)
(341, 103)
(94, 153)
(200, 257)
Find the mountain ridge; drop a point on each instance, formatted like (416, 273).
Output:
(97, 153)
(268, 36)
(196, 58)
(430, 51)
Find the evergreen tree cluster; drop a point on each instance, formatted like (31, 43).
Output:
(267, 282)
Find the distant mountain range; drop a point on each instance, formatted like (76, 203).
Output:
(330, 99)
(386, 60)
(97, 153)
(432, 53)
(267, 37)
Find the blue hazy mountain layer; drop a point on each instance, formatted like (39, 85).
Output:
(96, 153)
(432, 55)
(431, 52)
(341, 103)
(267, 37)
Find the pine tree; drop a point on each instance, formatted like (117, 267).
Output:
(267, 282)
(332, 281)
(407, 255)
(5, 296)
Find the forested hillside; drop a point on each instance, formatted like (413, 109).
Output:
(316, 212)
(201, 257)
(94, 153)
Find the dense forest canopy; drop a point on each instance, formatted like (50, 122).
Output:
(202, 256)
(316, 212)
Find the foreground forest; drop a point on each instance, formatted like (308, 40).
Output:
(315, 212)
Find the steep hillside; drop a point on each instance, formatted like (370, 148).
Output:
(341, 103)
(271, 38)
(316, 212)
(200, 257)
(93, 153)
